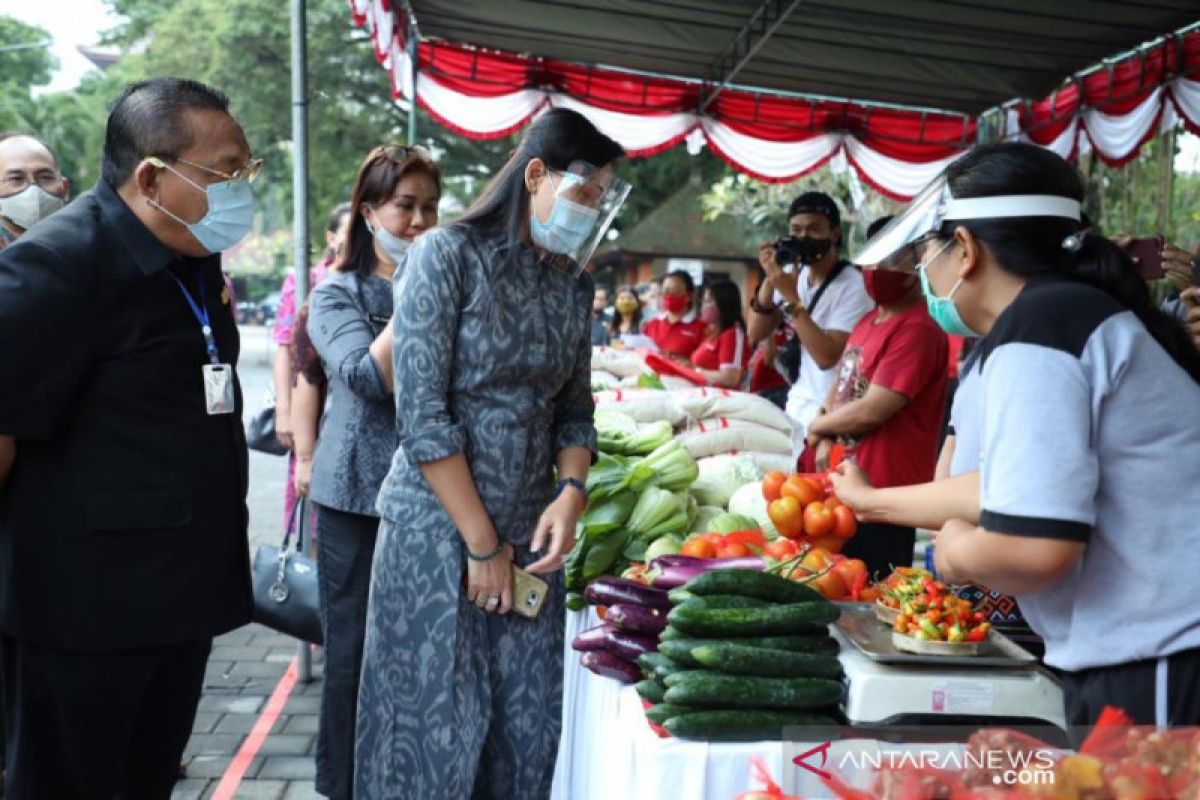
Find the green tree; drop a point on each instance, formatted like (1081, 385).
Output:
(25, 59)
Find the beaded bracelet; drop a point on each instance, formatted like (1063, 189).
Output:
(487, 556)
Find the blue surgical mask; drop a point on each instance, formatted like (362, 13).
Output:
(942, 309)
(568, 228)
(393, 245)
(230, 213)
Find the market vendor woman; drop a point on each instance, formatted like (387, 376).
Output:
(492, 355)
(1088, 485)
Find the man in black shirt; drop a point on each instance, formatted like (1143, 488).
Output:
(122, 459)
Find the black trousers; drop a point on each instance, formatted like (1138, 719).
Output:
(345, 549)
(882, 547)
(1156, 691)
(99, 726)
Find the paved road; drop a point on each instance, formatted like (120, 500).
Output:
(246, 664)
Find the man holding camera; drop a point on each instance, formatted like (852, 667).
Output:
(820, 296)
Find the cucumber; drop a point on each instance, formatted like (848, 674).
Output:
(680, 596)
(739, 726)
(713, 690)
(680, 651)
(676, 678)
(662, 712)
(670, 633)
(723, 601)
(815, 643)
(657, 666)
(650, 690)
(738, 659)
(751, 583)
(721, 622)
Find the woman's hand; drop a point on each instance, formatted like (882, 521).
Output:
(852, 487)
(303, 476)
(953, 535)
(283, 428)
(824, 449)
(557, 524)
(490, 583)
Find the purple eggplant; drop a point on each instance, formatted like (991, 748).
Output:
(612, 666)
(592, 639)
(609, 591)
(674, 575)
(630, 645)
(637, 619)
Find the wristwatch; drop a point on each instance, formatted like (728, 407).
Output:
(573, 483)
(790, 309)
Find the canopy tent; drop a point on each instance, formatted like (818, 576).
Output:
(778, 88)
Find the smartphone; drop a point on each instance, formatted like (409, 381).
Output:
(1147, 255)
(529, 593)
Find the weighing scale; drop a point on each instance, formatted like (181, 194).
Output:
(1003, 686)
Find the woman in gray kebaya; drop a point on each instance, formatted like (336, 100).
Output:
(395, 200)
(461, 698)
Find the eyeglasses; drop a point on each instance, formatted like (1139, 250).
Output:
(399, 152)
(247, 172)
(19, 182)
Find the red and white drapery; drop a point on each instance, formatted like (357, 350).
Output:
(485, 94)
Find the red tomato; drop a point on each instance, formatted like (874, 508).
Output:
(713, 538)
(772, 483)
(850, 569)
(804, 490)
(751, 538)
(870, 594)
(787, 516)
(832, 503)
(830, 585)
(830, 544)
(844, 523)
(733, 550)
(781, 549)
(818, 520)
(699, 548)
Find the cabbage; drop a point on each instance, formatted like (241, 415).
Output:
(728, 523)
(704, 515)
(667, 545)
(749, 502)
(721, 476)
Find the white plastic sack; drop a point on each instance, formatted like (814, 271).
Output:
(644, 405)
(622, 363)
(772, 462)
(703, 402)
(604, 379)
(720, 477)
(710, 437)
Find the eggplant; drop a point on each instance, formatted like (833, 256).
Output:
(608, 591)
(675, 574)
(637, 619)
(630, 645)
(607, 665)
(592, 639)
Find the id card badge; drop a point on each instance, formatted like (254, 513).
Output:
(218, 389)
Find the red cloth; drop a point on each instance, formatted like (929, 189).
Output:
(763, 374)
(725, 350)
(956, 346)
(907, 354)
(678, 338)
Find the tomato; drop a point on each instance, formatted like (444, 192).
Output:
(830, 585)
(830, 544)
(804, 490)
(832, 503)
(870, 594)
(699, 548)
(713, 538)
(771, 485)
(850, 570)
(752, 538)
(844, 523)
(733, 550)
(818, 520)
(787, 516)
(781, 549)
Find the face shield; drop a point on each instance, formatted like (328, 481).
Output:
(586, 201)
(935, 205)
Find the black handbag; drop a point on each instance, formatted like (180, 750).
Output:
(260, 433)
(286, 595)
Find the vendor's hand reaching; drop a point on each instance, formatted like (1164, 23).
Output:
(557, 525)
(490, 579)
(852, 487)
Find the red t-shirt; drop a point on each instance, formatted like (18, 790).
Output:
(763, 375)
(956, 346)
(728, 349)
(906, 354)
(678, 338)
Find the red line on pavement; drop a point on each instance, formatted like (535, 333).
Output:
(236, 770)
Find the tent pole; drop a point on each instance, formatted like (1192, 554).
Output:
(300, 223)
(768, 19)
(1167, 184)
(412, 101)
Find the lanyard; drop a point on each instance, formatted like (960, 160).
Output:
(201, 314)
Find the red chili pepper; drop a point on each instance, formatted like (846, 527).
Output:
(860, 583)
(748, 538)
(976, 635)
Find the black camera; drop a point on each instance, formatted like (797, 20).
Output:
(800, 249)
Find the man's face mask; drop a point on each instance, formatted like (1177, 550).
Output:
(29, 206)
(231, 205)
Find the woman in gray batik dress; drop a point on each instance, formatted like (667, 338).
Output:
(461, 698)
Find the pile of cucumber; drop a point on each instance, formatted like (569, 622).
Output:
(744, 655)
